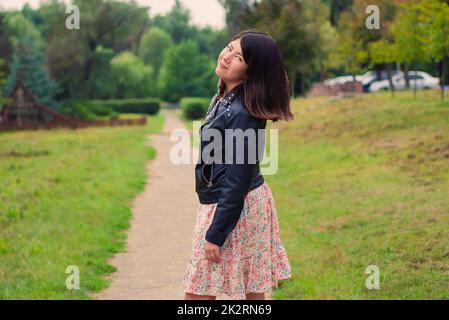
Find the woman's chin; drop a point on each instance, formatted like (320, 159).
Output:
(219, 72)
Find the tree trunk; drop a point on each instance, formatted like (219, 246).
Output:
(442, 72)
(378, 72)
(414, 83)
(390, 80)
(407, 80)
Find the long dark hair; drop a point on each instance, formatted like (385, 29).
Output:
(266, 87)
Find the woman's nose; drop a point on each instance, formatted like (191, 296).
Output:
(226, 57)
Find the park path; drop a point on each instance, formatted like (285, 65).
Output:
(161, 228)
(159, 240)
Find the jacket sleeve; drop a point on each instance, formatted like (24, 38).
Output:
(237, 179)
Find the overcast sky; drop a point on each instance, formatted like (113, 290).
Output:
(203, 12)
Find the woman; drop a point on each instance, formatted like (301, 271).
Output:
(236, 246)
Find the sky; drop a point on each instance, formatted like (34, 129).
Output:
(202, 12)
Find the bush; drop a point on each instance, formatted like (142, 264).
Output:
(149, 106)
(194, 108)
(87, 110)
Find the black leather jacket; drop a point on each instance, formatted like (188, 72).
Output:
(227, 183)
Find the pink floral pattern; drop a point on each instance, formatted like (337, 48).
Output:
(252, 259)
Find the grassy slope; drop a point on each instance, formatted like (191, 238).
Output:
(365, 181)
(65, 199)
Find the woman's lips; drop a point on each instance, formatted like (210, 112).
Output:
(222, 66)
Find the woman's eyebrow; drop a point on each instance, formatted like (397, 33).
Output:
(233, 49)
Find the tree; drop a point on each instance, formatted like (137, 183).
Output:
(239, 14)
(5, 43)
(72, 54)
(186, 72)
(336, 7)
(383, 52)
(176, 23)
(351, 53)
(132, 78)
(28, 59)
(32, 15)
(409, 47)
(300, 28)
(101, 83)
(153, 45)
(290, 24)
(353, 21)
(210, 42)
(434, 20)
(20, 27)
(325, 38)
(2, 82)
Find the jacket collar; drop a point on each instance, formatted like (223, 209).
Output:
(228, 99)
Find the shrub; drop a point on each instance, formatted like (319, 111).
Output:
(194, 108)
(149, 106)
(87, 110)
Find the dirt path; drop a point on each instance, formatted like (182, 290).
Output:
(160, 236)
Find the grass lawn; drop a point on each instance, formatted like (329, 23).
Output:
(65, 198)
(365, 181)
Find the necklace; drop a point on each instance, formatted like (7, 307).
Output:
(210, 117)
(212, 111)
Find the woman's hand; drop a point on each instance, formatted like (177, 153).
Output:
(212, 252)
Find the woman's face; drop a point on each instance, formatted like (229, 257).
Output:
(231, 67)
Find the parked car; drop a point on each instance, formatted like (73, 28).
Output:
(372, 76)
(340, 80)
(365, 79)
(421, 79)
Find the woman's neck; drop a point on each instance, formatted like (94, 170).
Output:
(229, 88)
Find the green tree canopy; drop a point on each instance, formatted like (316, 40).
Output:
(153, 45)
(28, 59)
(176, 23)
(72, 54)
(132, 78)
(186, 72)
(20, 27)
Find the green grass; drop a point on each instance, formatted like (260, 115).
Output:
(365, 181)
(65, 199)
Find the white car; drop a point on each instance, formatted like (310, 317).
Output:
(372, 76)
(366, 79)
(422, 80)
(340, 80)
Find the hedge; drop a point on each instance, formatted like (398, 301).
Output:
(145, 106)
(194, 108)
(87, 110)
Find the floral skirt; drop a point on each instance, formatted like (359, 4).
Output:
(252, 259)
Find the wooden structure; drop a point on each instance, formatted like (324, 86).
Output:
(24, 112)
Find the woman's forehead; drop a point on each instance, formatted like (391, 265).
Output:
(236, 43)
